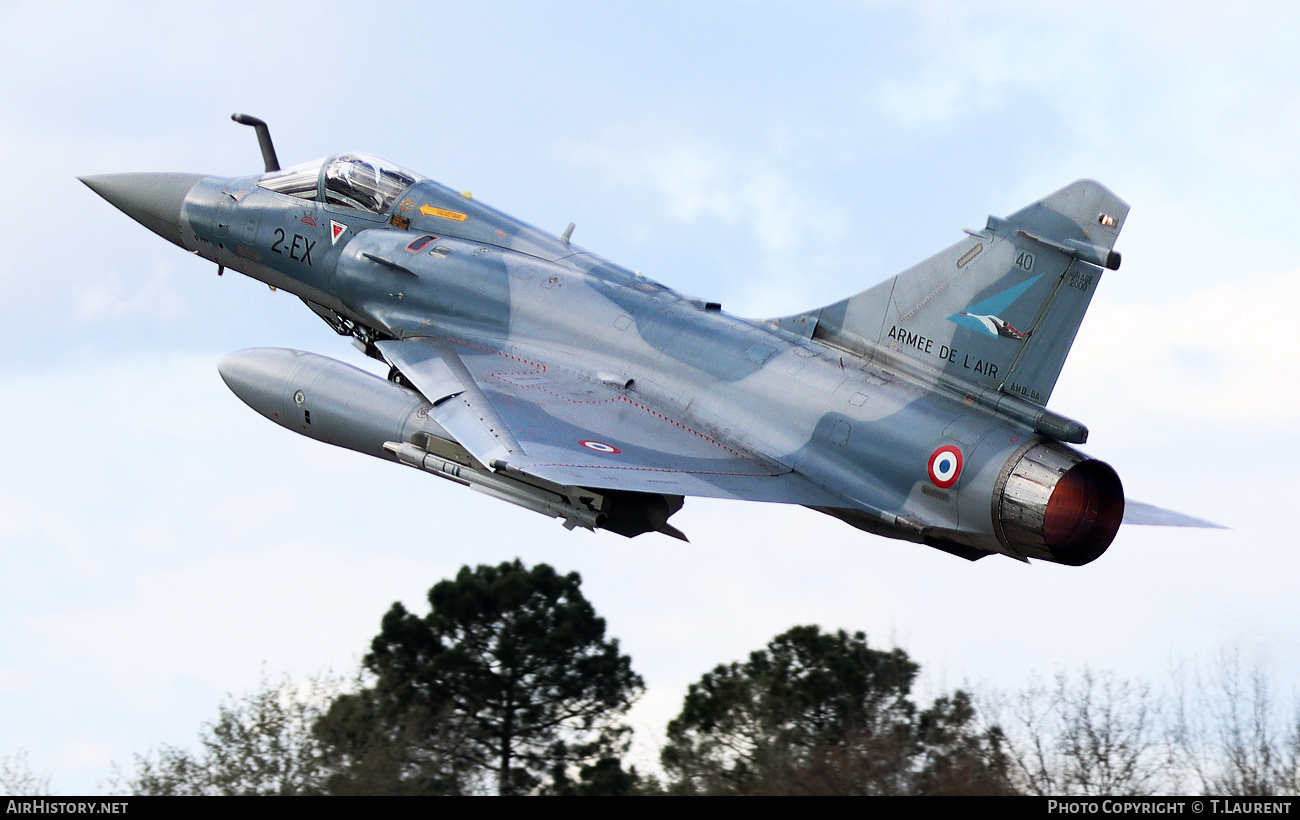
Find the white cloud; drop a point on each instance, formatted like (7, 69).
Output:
(1223, 354)
(111, 296)
(958, 64)
(701, 182)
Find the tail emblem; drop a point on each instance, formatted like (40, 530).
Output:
(995, 326)
(983, 316)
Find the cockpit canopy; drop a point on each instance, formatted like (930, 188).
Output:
(364, 182)
(357, 181)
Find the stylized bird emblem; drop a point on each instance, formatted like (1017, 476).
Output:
(996, 325)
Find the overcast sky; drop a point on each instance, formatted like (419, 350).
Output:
(161, 544)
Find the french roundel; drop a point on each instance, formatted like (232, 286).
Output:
(600, 447)
(945, 466)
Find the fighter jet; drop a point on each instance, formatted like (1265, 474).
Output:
(537, 372)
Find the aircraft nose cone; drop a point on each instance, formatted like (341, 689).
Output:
(153, 200)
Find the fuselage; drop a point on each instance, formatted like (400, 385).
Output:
(456, 267)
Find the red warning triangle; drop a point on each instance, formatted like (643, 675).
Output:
(336, 230)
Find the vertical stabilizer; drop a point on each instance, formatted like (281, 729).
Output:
(999, 308)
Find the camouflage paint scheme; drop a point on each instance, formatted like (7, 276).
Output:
(530, 369)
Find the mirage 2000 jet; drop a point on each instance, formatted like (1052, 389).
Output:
(530, 369)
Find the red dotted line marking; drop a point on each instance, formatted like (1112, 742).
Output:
(541, 368)
(677, 423)
(538, 365)
(638, 405)
(766, 474)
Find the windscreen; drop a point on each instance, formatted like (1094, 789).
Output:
(300, 180)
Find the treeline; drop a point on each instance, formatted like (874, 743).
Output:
(509, 685)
